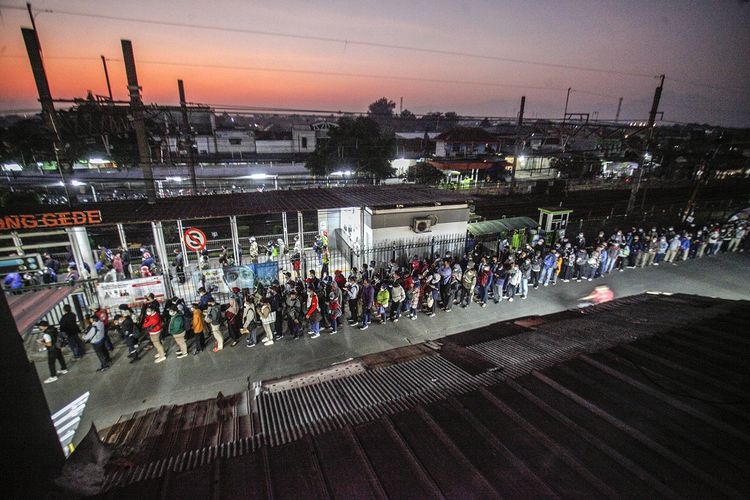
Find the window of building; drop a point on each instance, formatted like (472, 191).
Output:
(235, 141)
(304, 143)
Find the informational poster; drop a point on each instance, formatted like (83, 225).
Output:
(130, 292)
(240, 276)
(266, 272)
(211, 279)
(250, 275)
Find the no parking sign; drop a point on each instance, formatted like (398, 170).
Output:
(195, 239)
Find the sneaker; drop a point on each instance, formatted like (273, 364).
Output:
(63, 372)
(431, 315)
(590, 279)
(160, 359)
(364, 327)
(50, 380)
(655, 264)
(250, 344)
(395, 320)
(412, 317)
(510, 299)
(546, 284)
(182, 355)
(523, 297)
(483, 304)
(315, 335)
(566, 281)
(310, 332)
(234, 343)
(331, 332)
(448, 310)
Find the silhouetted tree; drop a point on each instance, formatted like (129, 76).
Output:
(358, 145)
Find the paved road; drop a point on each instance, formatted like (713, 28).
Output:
(127, 388)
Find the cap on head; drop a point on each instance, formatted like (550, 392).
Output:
(43, 324)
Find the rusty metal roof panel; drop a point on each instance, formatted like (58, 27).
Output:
(637, 398)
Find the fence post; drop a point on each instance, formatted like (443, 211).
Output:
(432, 249)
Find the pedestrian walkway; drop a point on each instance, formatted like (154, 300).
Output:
(127, 388)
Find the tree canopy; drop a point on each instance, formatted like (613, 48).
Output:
(358, 145)
(382, 107)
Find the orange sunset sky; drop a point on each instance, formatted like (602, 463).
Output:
(700, 46)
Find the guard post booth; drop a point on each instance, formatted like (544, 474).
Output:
(553, 222)
(490, 233)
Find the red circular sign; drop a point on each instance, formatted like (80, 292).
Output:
(195, 239)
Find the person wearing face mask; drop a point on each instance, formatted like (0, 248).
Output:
(177, 331)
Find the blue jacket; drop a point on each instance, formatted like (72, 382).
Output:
(14, 281)
(550, 260)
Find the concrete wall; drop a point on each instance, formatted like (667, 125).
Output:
(395, 224)
(300, 145)
(274, 146)
(224, 139)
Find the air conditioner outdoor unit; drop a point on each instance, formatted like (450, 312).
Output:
(422, 225)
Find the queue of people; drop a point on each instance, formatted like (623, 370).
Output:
(310, 305)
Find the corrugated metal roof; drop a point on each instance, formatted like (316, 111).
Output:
(643, 397)
(224, 205)
(501, 226)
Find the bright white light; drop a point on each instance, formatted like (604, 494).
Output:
(259, 176)
(12, 167)
(400, 164)
(522, 158)
(98, 161)
(174, 179)
(341, 173)
(77, 183)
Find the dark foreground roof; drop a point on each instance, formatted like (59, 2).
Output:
(268, 202)
(643, 397)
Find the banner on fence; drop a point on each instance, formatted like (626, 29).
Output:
(130, 291)
(211, 279)
(250, 275)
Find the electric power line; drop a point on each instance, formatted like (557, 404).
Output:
(343, 41)
(371, 44)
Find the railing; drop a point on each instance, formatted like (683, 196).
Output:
(82, 299)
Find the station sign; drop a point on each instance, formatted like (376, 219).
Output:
(50, 219)
(195, 239)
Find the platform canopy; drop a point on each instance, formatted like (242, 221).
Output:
(225, 205)
(500, 226)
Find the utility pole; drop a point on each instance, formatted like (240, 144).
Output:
(34, 51)
(515, 153)
(189, 136)
(567, 98)
(619, 107)
(702, 179)
(401, 106)
(649, 137)
(106, 77)
(139, 122)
